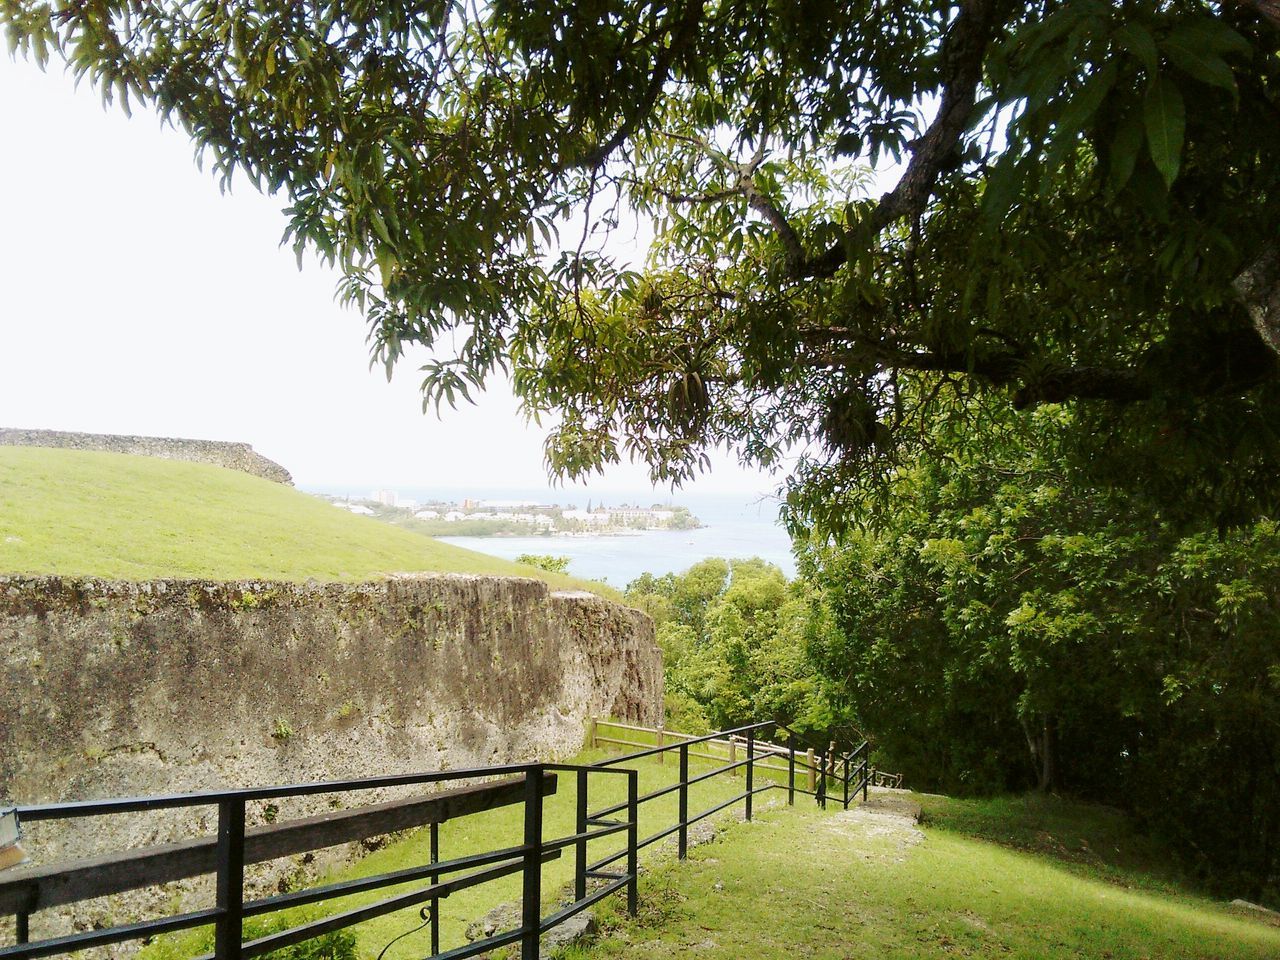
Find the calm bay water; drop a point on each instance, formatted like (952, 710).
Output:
(735, 526)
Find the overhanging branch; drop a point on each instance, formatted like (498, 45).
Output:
(963, 52)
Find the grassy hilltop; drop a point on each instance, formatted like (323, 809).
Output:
(124, 517)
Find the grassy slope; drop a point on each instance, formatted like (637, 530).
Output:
(123, 517)
(789, 886)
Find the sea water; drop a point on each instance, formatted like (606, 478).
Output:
(734, 527)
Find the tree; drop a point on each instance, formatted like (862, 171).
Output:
(733, 637)
(1087, 210)
(1011, 625)
(544, 561)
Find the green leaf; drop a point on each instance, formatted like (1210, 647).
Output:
(1164, 115)
(1138, 41)
(1002, 188)
(1212, 35)
(1198, 61)
(1125, 148)
(1085, 101)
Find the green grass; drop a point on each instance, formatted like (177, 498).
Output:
(492, 830)
(794, 885)
(122, 517)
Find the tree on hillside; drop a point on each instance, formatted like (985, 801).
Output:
(733, 634)
(1011, 624)
(1087, 209)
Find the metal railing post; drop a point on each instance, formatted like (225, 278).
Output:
(435, 878)
(866, 779)
(846, 782)
(822, 779)
(23, 927)
(229, 927)
(531, 901)
(791, 770)
(633, 841)
(751, 768)
(580, 824)
(684, 800)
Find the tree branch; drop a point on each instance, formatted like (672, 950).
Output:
(680, 35)
(1258, 287)
(1268, 10)
(1238, 363)
(962, 54)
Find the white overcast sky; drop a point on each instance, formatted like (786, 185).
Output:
(135, 298)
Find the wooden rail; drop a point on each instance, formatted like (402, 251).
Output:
(37, 888)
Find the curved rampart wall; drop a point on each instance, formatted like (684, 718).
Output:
(219, 453)
(116, 689)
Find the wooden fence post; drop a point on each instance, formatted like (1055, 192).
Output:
(591, 732)
(813, 770)
(662, 757)
(733, 755)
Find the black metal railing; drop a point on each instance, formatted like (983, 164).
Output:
(26, 890)
(226, 855)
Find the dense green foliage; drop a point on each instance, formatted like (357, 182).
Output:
(1087, 211)
(1008, 624)
(733, 634)
(544, 561)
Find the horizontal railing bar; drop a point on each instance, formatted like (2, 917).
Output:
(560, 916)
(632, 726)
(89, 808)
(562, 842)
(621, 743)
(692, 820)
(346, 888)
(614, 761)
(576, 767)
(101, 938)
(38, 888)
(347, 918)
(660, 835)
(654, 795)
(480, 946)
(718, 770)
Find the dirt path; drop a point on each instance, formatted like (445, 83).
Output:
(882, 828)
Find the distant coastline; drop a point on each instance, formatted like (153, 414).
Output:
(470, 517)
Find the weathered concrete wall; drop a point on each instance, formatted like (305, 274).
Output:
(219, 453)
(114, 689)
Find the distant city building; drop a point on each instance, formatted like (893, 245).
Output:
(387, 498)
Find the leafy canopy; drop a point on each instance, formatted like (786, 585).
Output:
(1012, 624)
(1087, 209)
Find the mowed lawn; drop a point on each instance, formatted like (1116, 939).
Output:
(796, 884)
(124, 517)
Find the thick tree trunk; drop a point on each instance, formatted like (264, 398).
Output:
(1258, 287)
(1042, 747)
(1049, 755)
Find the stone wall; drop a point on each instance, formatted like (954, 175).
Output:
(116, 689)
(219, 453)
